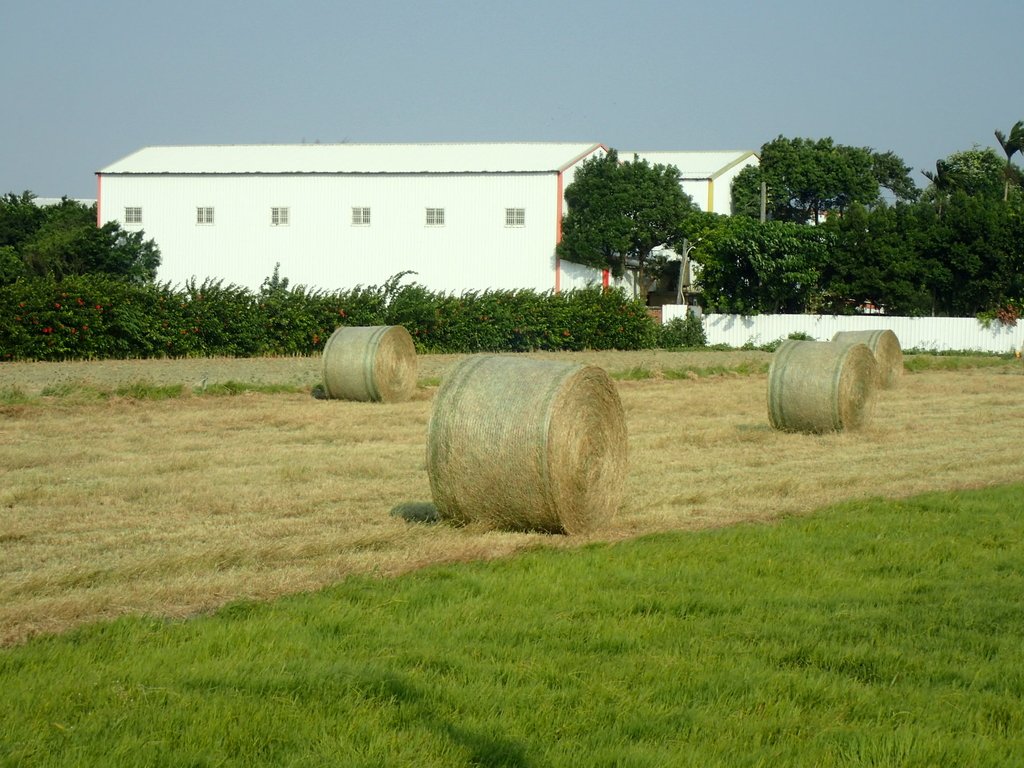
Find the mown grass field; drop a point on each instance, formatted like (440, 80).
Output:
(876, 633)
(118, 504)
(147, 488)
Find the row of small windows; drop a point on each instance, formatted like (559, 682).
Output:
(279, 216)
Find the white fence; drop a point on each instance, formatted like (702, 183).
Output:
(932, 333)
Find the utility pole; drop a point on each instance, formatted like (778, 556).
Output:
(685, 284)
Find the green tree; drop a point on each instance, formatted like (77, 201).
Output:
(11, 265)
(981, 238)
(806, 179)
(941, 184)
(872, 259)
(969, 258)
(747, 267)
(620, 212)
(20, 218)
(977, 172)
(63, 239)
(594, 231)
(1011, 145)
(745, 193)
(928, 242)
(894, 175)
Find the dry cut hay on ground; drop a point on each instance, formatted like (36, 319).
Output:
(33, 377)
(370, 364)
(886, 348)
(821, 387)
(178, 506)
(521, 444)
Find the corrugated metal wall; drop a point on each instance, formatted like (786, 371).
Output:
(723, 187)
(320, 247)
(932, 333)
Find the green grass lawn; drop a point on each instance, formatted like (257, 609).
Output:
(877, 633)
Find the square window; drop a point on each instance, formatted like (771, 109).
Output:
(132, 215)
(204, 216)
(515, 217)
(279, 217)
(360, 217)
(435, 217)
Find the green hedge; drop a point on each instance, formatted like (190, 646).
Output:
(96, 317)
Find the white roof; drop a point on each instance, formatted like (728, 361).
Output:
(695, 165)
(521, 157)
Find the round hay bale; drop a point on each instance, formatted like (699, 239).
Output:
(886, 348)
(527, 445)
(370, 363)
(818, 386)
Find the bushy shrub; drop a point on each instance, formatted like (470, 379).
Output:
(607, 320)
(96, 316)
(771, 346)
(219, 320)
(85, 316)
(682, 332)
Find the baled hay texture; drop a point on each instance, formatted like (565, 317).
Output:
(372, 363)
(818, 386)
(887, 350)
(527, 445)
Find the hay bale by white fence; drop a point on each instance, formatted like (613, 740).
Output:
(818, 386)
(884, 346)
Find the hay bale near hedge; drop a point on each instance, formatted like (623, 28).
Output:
(370, 363)
(886, 348)
(528, 445)
(818, 386)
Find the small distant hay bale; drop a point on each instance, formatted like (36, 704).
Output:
(818, 386)
(886, 348)
(374, 363)
(527, 445)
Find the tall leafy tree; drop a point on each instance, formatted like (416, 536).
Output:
(982, 241)
(894, 175)
(976, 172)
(941, 184)
(63, 239)
(594, 231)
(807, 179)
(20, 218)
(619, 212)
(747, 267)
(1011, 145)
(872, 260)
(970, 258)
(745, 193)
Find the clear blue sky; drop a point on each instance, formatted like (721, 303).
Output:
(85, 84)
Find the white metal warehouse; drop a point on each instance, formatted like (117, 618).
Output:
(461, 216)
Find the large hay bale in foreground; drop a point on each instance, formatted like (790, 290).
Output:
(370, 363)
(886, 348)
(818, 386)
(524, 444)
